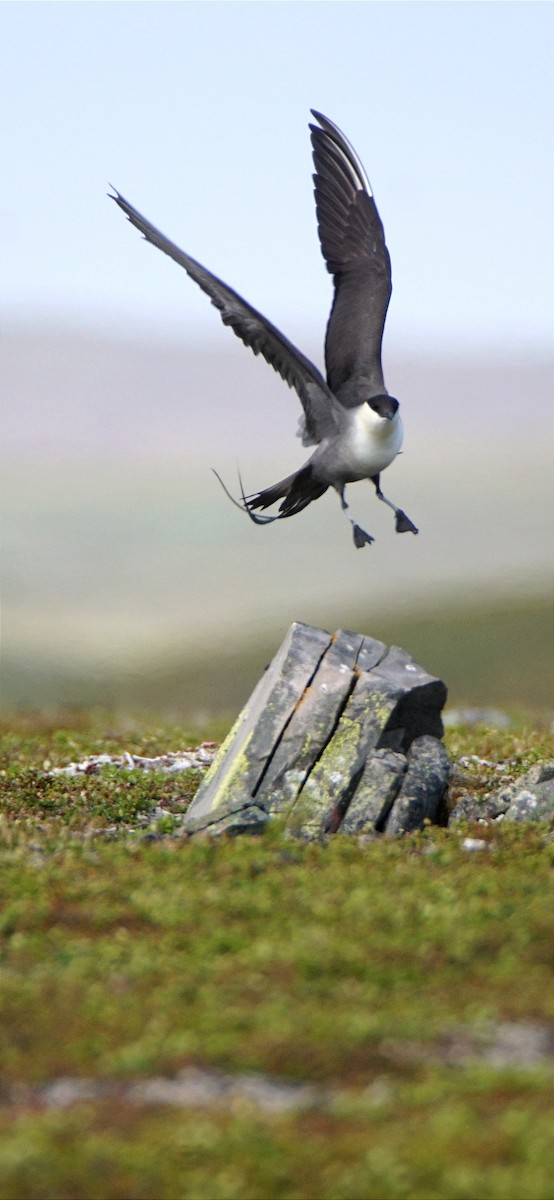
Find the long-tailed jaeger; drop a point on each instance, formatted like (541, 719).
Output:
(349, 417)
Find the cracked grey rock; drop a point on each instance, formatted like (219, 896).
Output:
(325, 739)
(307, 732)
(240, 764)
(376, 793)
(249, 819)
(423, 787)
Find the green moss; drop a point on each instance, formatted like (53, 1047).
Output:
(113, 797)
(319, 792)
(321, 962)
(406, 1140)
(223, 797)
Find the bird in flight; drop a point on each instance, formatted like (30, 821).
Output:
(349, 417)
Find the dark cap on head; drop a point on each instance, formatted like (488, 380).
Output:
(385, 406)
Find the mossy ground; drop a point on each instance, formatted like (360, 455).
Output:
(128, 958)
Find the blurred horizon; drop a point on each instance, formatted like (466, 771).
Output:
(120, 549)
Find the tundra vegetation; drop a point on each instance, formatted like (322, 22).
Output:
(408, 982)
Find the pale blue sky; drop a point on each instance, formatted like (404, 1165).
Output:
(198, 113)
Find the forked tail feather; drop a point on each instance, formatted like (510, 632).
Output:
(296, 491)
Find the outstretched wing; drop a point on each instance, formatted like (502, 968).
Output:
(321, 411)
(353, 245)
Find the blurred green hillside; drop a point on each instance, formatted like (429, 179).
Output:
(493, 653)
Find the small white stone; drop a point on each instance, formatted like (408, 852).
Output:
(474, 844)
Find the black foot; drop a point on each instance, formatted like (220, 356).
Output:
(403, 523)
(361, 538)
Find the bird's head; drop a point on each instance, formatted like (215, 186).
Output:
(384, 406)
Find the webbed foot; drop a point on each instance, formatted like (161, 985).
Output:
(361, 538)
(403, 523)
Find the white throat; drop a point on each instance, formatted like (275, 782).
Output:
(373, 441)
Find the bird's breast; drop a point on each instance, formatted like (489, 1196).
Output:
(370, 442)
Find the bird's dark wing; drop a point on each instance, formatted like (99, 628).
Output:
(321, 410)
(353, 246)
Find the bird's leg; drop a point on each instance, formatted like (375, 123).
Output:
(403, 523)
(361, 538)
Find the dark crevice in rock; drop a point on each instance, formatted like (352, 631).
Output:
(338, 725)
(290, 718)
